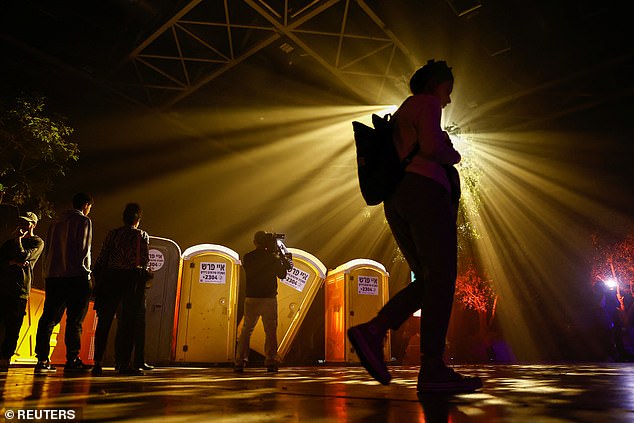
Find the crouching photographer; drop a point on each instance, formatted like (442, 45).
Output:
(267, 262)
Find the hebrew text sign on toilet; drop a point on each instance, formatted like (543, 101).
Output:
(296, 279)
(213, 272)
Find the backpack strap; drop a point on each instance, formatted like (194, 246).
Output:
(408, 159)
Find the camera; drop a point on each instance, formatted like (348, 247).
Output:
(274, 244)
(271, 240)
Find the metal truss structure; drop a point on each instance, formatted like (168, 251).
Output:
(167, 53)
(207, 38)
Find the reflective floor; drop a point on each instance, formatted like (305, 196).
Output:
(511, 393)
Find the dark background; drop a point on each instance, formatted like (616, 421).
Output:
(544, 88)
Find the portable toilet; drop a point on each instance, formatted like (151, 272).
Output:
(25, 348)
(160, 299)
(206, 323)
(165, 262)
(354, 294)
(295, 294)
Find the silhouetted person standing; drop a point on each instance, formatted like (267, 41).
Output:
(422, 216)
(612, 318)
(262, 266)
(119, 269)
(67, 278)
(17, 259)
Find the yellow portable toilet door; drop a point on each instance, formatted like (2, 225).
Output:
(295, 294)
(207, 311)
(368, 291)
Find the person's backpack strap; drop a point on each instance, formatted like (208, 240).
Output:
(385, 124)
(408, 159)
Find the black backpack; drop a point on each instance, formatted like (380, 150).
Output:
(378, 165)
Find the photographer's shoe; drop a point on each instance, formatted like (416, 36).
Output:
(44, 366)
(239, 367)
(367, 340)
(76, 365)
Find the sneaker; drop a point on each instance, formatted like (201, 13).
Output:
(97, 370)
(367, 341)
(144, 366)
(445, 380)
(76, 365)
(44, 366)
(272, 368)
(239, 368)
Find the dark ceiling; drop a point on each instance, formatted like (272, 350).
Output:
(249, 133)
(521, 64)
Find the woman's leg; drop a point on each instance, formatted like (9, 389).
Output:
(131, 303)
(426, 232)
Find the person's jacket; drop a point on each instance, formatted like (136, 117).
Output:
(124, 248)
(67, 246)
(17, 260)
(262, 270)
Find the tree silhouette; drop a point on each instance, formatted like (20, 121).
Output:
(475, 292)
(34, 149)
(613, 259)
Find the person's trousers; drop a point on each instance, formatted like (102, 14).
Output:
(139, 335)
(423, 222)
(122, 288)
(12, 311)
(253, 309)
(71, 295)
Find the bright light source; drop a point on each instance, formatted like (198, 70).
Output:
(611, 283)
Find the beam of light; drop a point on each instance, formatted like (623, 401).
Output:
(537, 212)
(292, 170)
(287, 170)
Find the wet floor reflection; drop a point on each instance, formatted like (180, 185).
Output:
(562, 393)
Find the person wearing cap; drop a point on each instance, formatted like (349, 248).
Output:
(17, 259)
(66, 260)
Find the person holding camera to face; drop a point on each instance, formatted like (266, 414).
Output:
(267, 262)
(17, 259)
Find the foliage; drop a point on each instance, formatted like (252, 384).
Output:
(470, 174)
(614, 259)
(34, 149)
(474, 291)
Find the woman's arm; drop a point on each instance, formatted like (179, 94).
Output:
(435, 144)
